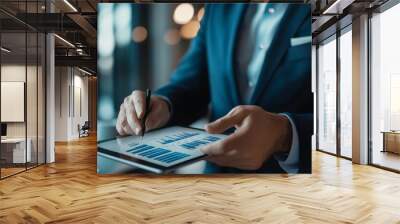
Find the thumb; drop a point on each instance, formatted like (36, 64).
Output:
(230, 120)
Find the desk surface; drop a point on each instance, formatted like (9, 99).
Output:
(391, 132)
(13, 140)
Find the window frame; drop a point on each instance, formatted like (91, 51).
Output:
(333, 37)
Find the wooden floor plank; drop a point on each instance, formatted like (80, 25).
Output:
(70, 191)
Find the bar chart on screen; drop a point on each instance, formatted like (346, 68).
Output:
(177, 137)
(200, 142)
(164, 147)
(156, 153)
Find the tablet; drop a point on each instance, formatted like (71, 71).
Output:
(159, 151)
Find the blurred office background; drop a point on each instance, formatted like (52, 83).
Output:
(139, 51)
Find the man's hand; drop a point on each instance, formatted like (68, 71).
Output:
(258, 135)
(132, 110)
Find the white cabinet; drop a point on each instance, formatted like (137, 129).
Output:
(16, 147)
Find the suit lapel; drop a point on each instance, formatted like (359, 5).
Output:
(279, 47)
(237, 12)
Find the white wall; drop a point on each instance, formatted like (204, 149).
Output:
(61, 103)
(70, 83)
(79, 117)
(12, 73)
(16, 73)
(34, 126)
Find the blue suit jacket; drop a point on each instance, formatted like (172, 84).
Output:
(206, 74)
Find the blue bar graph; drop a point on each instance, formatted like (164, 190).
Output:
(140, 148)
(211, 138)
(160, 154)
(195, 144)
(177, 137)
(171, 157)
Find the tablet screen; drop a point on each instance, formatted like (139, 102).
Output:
(166, 147)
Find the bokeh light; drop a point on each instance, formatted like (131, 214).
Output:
(139, 34)
(106, 109)
(105, 39)
(189, 30)
(183, 13)
(123, 26)
(200, 14)
(271, 10)
(172, 37)
(105, 65)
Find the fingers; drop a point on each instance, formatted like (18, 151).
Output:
(129, 119)
(131, 116)
(122, 126)
(132, 112)
(139, 101)
(120, 118)
(155, 117)
(234, 117)
(225, 146)
(235, 140)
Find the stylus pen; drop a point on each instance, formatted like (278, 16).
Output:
(147, 111)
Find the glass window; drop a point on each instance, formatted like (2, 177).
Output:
(41, 111)
(22, 92)
(314, 84)
(327, 96)
(31, 99)
(15, 149)
(346, 93)
(385, 89)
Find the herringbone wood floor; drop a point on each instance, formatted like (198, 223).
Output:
(70, 191)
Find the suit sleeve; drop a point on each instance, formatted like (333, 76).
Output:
(304, 127)
(289, 162)
(302, 121)
(188, 90)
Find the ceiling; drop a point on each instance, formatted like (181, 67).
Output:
(76, 23)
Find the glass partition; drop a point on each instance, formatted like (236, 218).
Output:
(327, 95)
(14, 153)
(41, 96)
(31, 99)
(22, 77)
(346, 93)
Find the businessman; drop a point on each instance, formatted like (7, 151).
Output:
(250, 67)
